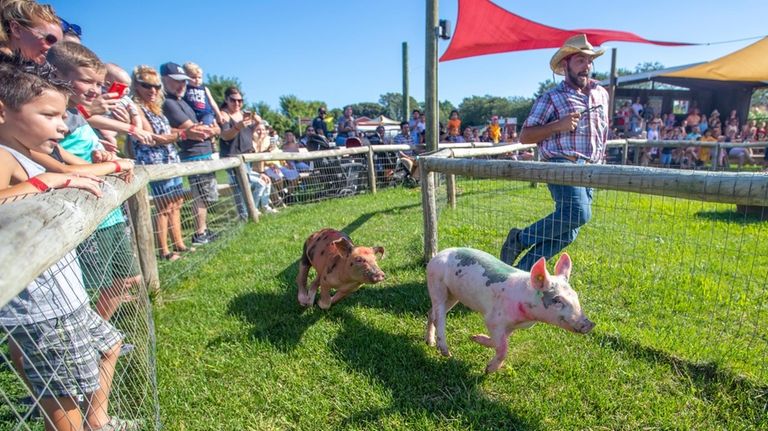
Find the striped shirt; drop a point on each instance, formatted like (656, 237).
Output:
(587, 141)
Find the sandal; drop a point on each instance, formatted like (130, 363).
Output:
(170, 257)
(184, 249)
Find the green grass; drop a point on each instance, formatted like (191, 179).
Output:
(677, 289)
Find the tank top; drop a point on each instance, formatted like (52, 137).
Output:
(56, 292)
(242, 143)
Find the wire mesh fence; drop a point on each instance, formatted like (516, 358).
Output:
(684, 277)
(78, 343)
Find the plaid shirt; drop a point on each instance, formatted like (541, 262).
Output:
(587, 141)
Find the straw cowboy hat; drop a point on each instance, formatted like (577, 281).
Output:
(574, 45)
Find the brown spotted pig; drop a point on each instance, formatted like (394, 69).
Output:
(339, 265)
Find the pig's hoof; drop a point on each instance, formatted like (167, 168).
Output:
(492, 367)
(445, 352)
(324, 305)
(429, 341)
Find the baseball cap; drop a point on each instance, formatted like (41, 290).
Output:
(174, 71)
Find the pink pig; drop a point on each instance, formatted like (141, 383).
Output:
(508, 298)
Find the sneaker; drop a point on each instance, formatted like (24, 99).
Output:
(211, 236)
(269, 210)
(511, 248)
(199, 239)
(117, 424)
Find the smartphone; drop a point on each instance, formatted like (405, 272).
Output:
(247, 115)
(119, 88)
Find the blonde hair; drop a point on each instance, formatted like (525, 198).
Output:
(24, 12)
(147, 74)
(67, 57)
(192, 68)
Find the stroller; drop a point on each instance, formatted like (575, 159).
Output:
(338, 176)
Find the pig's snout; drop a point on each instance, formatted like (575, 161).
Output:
(376, 276)
(585, 326)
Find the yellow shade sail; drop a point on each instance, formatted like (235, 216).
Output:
(749, 64)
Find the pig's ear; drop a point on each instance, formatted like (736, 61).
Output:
(344, 246)
(380, 251)
(563, 266)
(539, 275)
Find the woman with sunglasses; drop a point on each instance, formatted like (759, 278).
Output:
(29, 28)
(168, 194)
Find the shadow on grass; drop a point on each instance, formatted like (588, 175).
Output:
(421, 386)
(275, 318)
(733, 216)
(713, 384)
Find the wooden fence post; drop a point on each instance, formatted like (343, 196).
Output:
(430, 215)
(450, 185)
(141, 215)
(245, 189)
(625, 152)
(371, 170)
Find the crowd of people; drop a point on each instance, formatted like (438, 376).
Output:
(638, 120)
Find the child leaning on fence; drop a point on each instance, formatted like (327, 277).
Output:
(60, 347)
(107, 259)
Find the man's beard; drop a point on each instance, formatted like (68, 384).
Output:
(576, 80)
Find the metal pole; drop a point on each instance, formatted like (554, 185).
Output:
(430, 82)
(406, 94)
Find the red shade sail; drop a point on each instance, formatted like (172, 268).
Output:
(485, 28)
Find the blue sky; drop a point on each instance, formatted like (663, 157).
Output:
(345, 52)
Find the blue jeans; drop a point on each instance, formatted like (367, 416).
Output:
(259, 191)
(573, 209)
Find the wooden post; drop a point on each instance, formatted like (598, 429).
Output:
(371, 170)
(430, 214)
(245, 189)
(406, 93)
(141, 215)
(716, 157)
(430, 81)
(625, 152)
(450, 185)
(612, 88)
(636, 160)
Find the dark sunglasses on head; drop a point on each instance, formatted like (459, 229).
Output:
(148, 86)
(49, 38)
(67, 27)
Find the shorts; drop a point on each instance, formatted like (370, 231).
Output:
(204, 187)
(168, 189)
(62, 355)
(107, 255)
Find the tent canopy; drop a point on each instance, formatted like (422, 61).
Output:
(483, 28)
(747, 65)
(381, 120)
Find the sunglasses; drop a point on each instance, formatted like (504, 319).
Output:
(74, 28)
(149, 86)
(236, 100)
(48, 38)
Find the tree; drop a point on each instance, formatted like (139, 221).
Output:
(276, 120)
(648, 67)
(293, 108)
(218, 84)
(367, 109)
(393, 105)
(445, 111)
(478, 110)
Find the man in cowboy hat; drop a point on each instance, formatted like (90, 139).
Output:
(570, 125)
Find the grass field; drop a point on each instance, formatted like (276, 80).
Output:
(677, 289)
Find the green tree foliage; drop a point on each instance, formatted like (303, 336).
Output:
(477, 110)
(293, 107)
(647, 67)
(393, 105)
(218, 84)
(445, 110)
(367, 109)
(276, 119)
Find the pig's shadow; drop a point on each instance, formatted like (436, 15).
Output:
(418, 383)
(709, 379)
